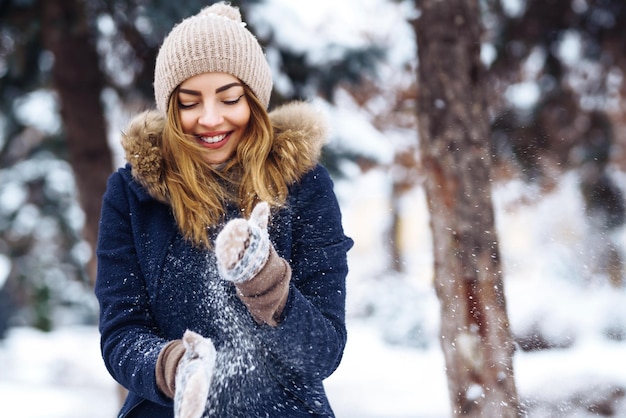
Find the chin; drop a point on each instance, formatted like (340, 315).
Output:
(215, 160)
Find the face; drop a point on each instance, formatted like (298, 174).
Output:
(215, 112)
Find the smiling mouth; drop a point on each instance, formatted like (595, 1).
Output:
(212, 139)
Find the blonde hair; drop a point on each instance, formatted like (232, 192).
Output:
(198, 193)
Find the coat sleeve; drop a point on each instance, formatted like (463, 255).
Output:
(308, 344)
(130, 342)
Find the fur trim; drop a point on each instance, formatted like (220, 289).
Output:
(300, 132)
(141, 147)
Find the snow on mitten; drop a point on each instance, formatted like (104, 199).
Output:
(246, 257)
(243, 246)
(193, 376)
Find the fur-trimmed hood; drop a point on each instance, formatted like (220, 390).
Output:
(300, 131)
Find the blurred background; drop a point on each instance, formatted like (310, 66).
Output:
(73, 72)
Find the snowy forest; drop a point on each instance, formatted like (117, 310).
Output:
(478, 150)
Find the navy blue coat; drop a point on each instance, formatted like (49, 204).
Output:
(152, 285)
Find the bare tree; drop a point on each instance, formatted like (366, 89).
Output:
(79, 83)
(454, 139)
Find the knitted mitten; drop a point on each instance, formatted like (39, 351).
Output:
(243, 246)
(193, 376)
(246, 257)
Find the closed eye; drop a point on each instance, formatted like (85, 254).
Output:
(233, 102)
(185, 106)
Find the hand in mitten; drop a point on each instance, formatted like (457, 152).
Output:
(242, 247)
(246, 257)
(193, 376)
(184, 371)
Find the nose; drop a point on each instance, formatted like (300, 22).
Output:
(210, 116)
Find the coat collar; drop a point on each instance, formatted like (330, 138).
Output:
(300, 131)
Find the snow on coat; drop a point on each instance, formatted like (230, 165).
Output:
(152, 285)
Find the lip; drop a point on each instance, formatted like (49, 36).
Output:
(211, 141)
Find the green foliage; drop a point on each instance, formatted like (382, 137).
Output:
(40, 232)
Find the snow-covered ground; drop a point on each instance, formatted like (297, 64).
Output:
(393, 367)
(60, 375)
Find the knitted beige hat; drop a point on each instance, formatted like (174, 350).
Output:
(214, 40)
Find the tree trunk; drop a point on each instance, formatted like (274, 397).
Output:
(454, 140)
(395, 252)
(79, 82)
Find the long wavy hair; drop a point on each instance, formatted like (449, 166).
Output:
(198, 192)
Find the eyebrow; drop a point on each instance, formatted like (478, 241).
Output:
(217, 90)
(227, 86)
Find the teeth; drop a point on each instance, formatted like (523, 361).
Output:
(212, 139)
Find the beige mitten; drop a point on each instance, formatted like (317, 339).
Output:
(246, 257)
(243, 246)
(193, 376)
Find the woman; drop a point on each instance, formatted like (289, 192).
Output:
(224, 228)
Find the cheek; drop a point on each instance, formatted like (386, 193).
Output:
(243, 117)
(186, 122)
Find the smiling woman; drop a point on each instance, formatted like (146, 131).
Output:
(221, 254)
